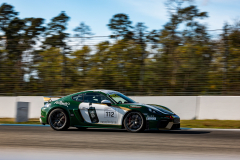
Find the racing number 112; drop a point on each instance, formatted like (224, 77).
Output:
(110, 114)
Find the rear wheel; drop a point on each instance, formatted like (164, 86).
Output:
(58, 120)
(134, 122)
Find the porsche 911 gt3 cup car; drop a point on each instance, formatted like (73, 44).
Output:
(106, 109)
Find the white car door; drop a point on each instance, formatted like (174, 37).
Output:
(106, 114)
(94, 112)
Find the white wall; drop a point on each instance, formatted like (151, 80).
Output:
(35, 105)
(8, 107)
(187, 107)
(219, 107)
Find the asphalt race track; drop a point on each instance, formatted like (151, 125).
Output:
(109, 143)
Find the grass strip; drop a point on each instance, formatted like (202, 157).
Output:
(228, 124)
(223, 124)
(12, 121)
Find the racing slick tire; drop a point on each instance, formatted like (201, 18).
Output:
(58, 120)
(134, 122)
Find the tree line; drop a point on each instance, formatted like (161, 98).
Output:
(180, 58)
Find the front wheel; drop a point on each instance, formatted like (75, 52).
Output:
(58, 120)
(134, 122)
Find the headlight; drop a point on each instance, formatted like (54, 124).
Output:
(154, 111)
(47, 105)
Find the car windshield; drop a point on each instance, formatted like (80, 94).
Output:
(120, 98)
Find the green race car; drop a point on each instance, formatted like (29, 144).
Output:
(106, 109)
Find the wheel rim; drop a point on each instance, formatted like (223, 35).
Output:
(58, 119)
(134, 121)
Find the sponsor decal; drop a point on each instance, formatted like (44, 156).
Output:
(114, 95)
(108, 122)
(93, 115)
(151, 118)
(145, 114)
(62, 103)
(134, 106)
(111, 93)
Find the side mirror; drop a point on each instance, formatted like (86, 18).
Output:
(106, 102)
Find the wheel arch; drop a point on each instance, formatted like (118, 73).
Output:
(59, 107)
(132, 110)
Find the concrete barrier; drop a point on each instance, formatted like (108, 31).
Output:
(187, 107)
(8, 107)
(35, 104)
(219, 107)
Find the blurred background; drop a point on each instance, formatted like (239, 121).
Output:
(183, 56)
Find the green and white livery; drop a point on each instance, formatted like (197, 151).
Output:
(106, 109)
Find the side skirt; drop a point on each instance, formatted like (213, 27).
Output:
(100, 126)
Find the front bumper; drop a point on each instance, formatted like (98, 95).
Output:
(43, 117)
(176, 127)
(163, 123)
(168, 125)
(40, 119)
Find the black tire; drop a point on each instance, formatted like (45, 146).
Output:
(58, 120)
(134, 122)
(81, 128)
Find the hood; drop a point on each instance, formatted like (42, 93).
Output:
(159, 108)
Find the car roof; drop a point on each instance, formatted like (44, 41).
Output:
(103, 90)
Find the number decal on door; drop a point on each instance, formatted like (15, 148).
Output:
(109, 114)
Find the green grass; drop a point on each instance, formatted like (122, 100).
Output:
(12, 121)
(229, 124)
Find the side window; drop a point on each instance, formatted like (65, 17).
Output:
(78, 98)
(94, 97)
(102, 97)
